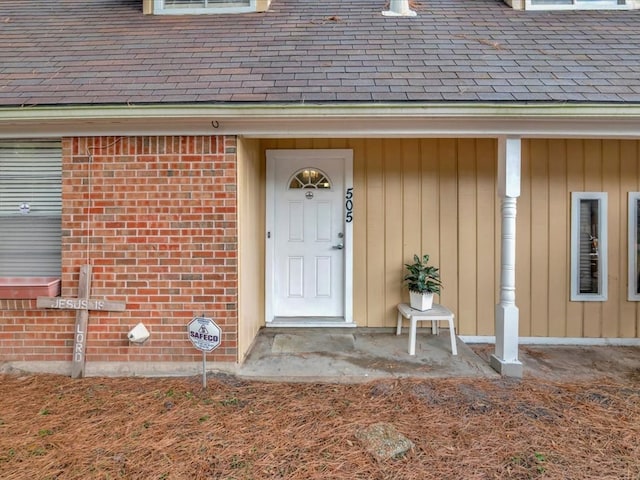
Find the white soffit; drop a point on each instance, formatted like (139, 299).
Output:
(337, 121)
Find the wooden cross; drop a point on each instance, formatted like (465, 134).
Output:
(82, 305)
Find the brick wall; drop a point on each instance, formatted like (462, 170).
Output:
(156, 219)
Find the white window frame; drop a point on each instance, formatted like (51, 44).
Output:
(602, 250)
(632, 283)
(580, 5)
(159, 9)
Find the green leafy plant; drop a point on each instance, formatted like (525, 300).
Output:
(540, 459)
(422, 278)
(232, 401)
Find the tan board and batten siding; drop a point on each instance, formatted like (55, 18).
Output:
(552, 169)
(438, 196)
(251, 194)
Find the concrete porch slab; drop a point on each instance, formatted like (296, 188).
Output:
(574, 362)
(285, 343)
(364, 354)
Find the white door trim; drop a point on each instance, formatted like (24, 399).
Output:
(346, 155)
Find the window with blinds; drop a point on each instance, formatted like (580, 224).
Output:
(30, 208)
(588, 246)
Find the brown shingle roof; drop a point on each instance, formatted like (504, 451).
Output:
(108, 52)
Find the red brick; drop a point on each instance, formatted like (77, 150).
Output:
(148, 209)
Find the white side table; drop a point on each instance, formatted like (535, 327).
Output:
(433, 315)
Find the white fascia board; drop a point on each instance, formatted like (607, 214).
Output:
(357, 120)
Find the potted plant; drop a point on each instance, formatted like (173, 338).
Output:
(423, 281)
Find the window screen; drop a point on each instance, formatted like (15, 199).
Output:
(30, 209)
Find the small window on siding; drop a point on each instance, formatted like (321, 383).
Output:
(588, 246)
(634, 246)
(30, 209)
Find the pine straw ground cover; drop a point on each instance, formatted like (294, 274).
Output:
(52, 427)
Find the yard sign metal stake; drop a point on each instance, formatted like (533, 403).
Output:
(205, 335)
(204, 369)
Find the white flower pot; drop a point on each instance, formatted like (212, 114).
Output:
(421, 301)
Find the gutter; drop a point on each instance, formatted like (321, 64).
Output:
(343, 120)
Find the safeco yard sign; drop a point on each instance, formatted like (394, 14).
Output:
(204, 334)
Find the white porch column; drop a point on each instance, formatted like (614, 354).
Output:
(505, 359)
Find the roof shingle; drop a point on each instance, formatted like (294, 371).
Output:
(107, 52)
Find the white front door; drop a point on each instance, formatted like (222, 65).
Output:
(307, 234)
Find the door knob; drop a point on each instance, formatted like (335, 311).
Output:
(340, 246)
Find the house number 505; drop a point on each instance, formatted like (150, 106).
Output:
(348, 204)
